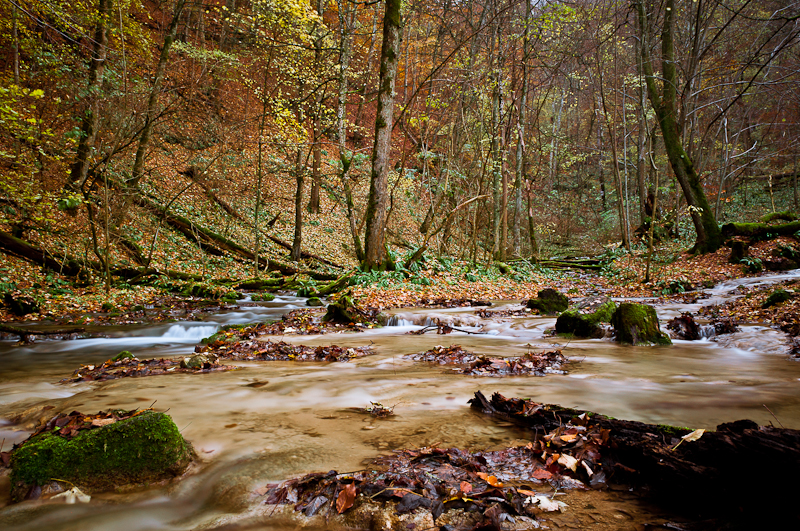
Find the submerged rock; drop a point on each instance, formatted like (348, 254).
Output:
(145, 448)
(549, 302)
(637, 324)
(685, 327)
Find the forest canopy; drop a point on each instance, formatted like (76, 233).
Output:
(137, 131)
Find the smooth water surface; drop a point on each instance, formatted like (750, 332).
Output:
(273, 420)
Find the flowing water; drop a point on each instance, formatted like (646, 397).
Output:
(273, 420)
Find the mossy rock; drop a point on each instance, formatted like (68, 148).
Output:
(314, 301)
(776, 297)
(637, 324)
(584, 320)
(262, 297)
(578, 325)
(124, 355)
(142, 449)
(549, 302)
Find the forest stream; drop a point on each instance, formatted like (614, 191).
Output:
(272, 421)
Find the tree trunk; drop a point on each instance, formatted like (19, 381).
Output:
(150, 113)
(709, 238)
(299, 173)
(316, 159)
(80, 167)
(375, 249)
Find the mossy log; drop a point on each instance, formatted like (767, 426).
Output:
(27, 251)
(217, 244)
(706, 476)
(144, 448)
(760, 230)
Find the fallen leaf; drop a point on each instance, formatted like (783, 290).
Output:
(541, 473)
(569, 437)
(491, 480)
(696, 434)
(346, 498)
(466, 487)
(568, 461)
(546, 504)
(102, 422)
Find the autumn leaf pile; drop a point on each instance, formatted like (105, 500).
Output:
(281, 351)
(530, 364)
(489, 484)
(133, 368)
(749, 308)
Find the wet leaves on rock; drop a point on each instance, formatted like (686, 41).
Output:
(531, 363)
(254, 350)
(134, 367)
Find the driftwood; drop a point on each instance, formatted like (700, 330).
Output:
(739, 470)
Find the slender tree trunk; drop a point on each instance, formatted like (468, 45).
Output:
(15, 59)
(80, 167)
(152, 101)
(299, 174)
(519, 162)
(316, 160)
(375, 249)
(345, 51)
(794, 183)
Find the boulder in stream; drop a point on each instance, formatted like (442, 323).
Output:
(144, 448)
(637, 324)
(584, 320)
(549, 302)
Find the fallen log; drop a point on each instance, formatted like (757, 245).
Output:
(27, 251)
(760, 230)
(709, 475)
(217, 244)
(26, 333)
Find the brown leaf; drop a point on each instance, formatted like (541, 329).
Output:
(541, 473)
(346, 498)
(102, 422)
(466, 487)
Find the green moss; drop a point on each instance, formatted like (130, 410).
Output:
(776, 297)
(124, 355)
(637, 324)
(573, 323)
(673, 431)
(549, 302)
(144, 448)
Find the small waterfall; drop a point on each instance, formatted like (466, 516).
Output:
(195, 333)
(398, 321)
(707, 331)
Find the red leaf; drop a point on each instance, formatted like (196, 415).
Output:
(346, 498)
(541, 473)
